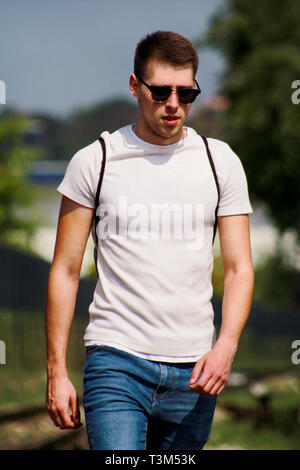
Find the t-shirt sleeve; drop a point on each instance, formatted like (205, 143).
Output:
(234, 190)
(81, 176)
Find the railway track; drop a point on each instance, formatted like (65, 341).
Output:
(69, 440)
(32, 429)
(22, 414)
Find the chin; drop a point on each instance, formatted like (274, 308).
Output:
(173, 131)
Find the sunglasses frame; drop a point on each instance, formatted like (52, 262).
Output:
(150, 87)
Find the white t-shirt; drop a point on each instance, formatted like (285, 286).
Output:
(155, 260)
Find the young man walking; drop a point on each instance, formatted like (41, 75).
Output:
(153, 366)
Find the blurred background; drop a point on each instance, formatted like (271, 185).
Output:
(64, 71)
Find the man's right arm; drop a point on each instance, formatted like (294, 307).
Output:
(72, 234)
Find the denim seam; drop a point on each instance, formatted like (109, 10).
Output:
(172, 383)
(155, 393)
(155, 397)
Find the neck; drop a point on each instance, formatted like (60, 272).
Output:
(158, 139)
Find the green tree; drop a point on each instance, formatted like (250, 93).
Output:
(85, 125)
(277, 282)
(260, 42)
(15, 191)
(62, 137)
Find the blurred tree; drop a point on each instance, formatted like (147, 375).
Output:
(208, 118)
(260, 42)
(277, 282)
(86, 124)
(52, 137)
(15, 191)
(218, 277)
(62, 137)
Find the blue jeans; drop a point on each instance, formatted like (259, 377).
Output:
(136, 404)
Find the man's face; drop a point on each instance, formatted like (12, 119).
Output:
(161, 123)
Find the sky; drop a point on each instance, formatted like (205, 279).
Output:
(59, 55)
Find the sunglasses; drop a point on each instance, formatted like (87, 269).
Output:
(162, 93)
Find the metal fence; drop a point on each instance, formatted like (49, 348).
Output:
(23, 287)
(23, 283)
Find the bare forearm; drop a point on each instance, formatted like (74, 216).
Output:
(60, 304)
(216, 364)
(237, 299)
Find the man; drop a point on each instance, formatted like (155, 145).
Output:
(153, 366)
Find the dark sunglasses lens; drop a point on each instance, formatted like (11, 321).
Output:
(160, 93)
(187, 96)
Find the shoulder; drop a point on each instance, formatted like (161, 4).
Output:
(87, 155)
(224, 158)
(221, 152)
(92, 150)
(89, 158)
(118, 139)
(228, 165)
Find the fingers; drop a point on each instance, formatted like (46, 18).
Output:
(210, 384)
(207, 379)
(60, 414)
(60, 417)
(197, 371)
(213, 386)
(55, 416)
(62, 402)
(75, 411)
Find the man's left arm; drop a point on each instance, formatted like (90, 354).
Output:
(236, 256)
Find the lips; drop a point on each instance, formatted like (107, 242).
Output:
(170, 120)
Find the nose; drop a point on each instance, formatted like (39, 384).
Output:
(173, 101)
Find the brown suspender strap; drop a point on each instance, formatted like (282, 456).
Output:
(217, 184)
(96, 217)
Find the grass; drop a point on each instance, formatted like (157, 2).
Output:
(23, 377)
(281, 432)
(263, 354)
(25, 388)
(245, 435)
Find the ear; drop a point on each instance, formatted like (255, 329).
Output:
(133, 85)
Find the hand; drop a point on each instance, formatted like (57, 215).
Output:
(60, 396)
(215, 367)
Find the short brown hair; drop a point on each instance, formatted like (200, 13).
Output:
(167, 47)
